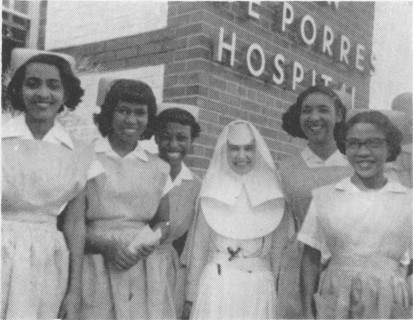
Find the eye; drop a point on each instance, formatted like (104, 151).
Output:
(123, 111)
(140, 112)
(374, 142)
(233, 148)
(306, 110)
(323, 109)
(250, 148)
(352, 143)
(164, 137)
(32, 83)
(55, 85)
(182, 138)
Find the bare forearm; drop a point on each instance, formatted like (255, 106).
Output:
(75, 231)
(310, 272)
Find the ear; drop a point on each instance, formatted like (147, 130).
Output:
(156, 138)
(339, 115)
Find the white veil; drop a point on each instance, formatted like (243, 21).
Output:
(222, 187)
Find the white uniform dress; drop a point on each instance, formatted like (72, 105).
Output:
(230, 244)
(164, 270)
(366, 236)
(121, 205)
(39, 178)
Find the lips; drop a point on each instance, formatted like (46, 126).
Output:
(173, 155)
(365, 164)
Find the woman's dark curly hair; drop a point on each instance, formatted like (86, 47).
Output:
(392, 134)
(133, 91)
(179, 116)
(291, 118)
(71, 84)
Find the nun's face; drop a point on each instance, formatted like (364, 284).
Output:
(241, 157)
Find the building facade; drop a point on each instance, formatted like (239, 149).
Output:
(246, 60)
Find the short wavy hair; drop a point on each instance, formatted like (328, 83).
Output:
(392, 134)
(133, 91)
(291, 118)
(178, 115)
(71, 84)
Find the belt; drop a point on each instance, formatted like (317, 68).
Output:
(254, 264)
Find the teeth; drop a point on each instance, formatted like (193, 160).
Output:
(173, 155)
(365, 164)
(43, 105)
(130, 131)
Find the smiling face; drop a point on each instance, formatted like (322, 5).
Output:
(241, 149)
(174, 142)
(367, 152)
(42, 91)
(318, 118)
(129, 121)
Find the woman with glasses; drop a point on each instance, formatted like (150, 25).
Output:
(362, 225)
(317, 116)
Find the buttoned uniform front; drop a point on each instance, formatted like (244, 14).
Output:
(120, 205)
(39, 177)
(299, 176)
(165, 272)
(365, 236)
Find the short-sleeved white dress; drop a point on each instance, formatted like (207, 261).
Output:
(365, 235)
(121, 204)
(39, 177)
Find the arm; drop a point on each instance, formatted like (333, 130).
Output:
(161, 218)
(202, 237)
(310, 272)
(281, 234)
(74, 232)
(113, 251)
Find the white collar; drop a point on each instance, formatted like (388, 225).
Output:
(407, 148)
(184, 174)
(102, 145)
(17, 128)
(391, 186)
(314, 161)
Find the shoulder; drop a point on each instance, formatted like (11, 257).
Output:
(162, 165)
(196, 179)
(291, 163)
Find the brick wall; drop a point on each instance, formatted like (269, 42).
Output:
(223, 93)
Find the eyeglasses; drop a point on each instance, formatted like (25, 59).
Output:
(370, 144)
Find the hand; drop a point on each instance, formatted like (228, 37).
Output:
(70, 308)
(186, 312)
(145, 250)
(165, 230)
(120, 256)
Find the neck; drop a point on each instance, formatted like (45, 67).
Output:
(121, 147)
(175, 170)
(39, 128)
(373, 183)
(323, 150)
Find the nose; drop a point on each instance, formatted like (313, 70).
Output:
(363, 150)
(43, 91)
(241, 153)
(131, 118)
(173, 142)
(315, 115)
